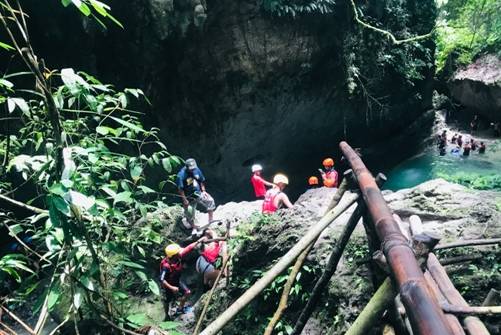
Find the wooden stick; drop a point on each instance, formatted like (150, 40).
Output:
(287, 288)
(468, 243)
(437, 271)
(372, 312)
(209, 297)
(310, 237)
(460, 259)
(330, 269)
(491, 298)
(12, 332)
(23, 205)
(14, 316)
(469, 310)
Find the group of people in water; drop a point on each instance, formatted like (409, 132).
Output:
(213, 249)
(460, 145)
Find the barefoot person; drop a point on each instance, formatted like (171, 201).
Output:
(275, 198)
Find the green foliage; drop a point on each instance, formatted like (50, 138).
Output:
(293, 8)
(467, 27)
(92, 7)
(474, 180)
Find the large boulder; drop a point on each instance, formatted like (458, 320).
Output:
(478, 86)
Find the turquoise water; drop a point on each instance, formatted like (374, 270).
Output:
(430, 165)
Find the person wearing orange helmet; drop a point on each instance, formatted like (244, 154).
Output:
(329, 176)
(313, 182)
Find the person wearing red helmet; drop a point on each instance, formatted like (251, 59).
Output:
(329, 176)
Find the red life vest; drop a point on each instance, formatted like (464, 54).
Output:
(330, 179)
(174, 269)
(269, 201)
(211, 253)
(258, 185)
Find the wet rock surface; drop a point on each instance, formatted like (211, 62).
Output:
(478, 86)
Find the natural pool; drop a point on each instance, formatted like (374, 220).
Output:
(480, 171)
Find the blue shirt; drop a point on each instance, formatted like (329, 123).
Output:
(189, 181)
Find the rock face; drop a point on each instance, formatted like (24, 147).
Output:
(232, 84)
(478, 86)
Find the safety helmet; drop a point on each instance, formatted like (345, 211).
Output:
(191, 163)
(313, 180)
(280, 178)
(257, 167)
(328, 162)
(172, 250)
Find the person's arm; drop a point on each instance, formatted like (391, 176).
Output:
(172, 288)
(267, 183)
(285, 200)
(180, 189)
(186, 250)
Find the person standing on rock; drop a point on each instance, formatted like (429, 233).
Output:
(211, 257)
(258, 182)
(275, 198)
(191, 188)
(329, 176)
(171, 268)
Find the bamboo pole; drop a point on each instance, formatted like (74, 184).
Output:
(469, 243)
(285, 294)
(16, 318)
(491, 298)
(330, 269)
(279, 267)
(372, 312)
(469, 310)
(425, 315)
(472, 323)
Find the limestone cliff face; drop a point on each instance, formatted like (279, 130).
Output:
(478, 86)
(232, 85)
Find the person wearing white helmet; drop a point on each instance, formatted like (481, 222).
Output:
(258, 182)
(275, 198)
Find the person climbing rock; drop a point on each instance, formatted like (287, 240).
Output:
(466, 149)
(481, 148)
(329, 176)
(313, 182)
(171, 268)
(275, 198)
(258, 182)
(191, 188)
(211, 258)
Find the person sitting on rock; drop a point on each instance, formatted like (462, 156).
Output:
(191, 188)
(212, 257)
(329, 176)
(313, 182)
(258, 182)
(171, 268)
(481, 148)
(275, 198)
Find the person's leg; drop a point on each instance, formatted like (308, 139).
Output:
(210, 277)
(208, 202)
(186, 294)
